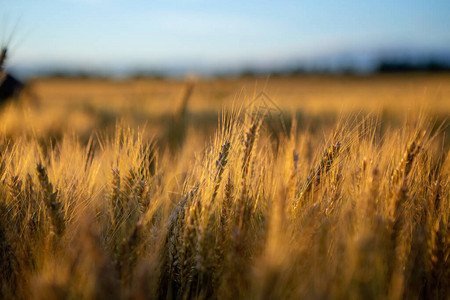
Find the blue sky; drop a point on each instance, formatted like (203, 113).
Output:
(214, 33)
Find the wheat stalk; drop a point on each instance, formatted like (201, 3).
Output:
(54, 206)
(321, 169)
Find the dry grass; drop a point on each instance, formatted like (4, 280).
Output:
(357, 211)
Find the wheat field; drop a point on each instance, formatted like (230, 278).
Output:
(279, 188)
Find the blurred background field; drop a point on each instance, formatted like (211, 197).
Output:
(52, 106)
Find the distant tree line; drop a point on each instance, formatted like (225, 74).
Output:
(399, 66)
